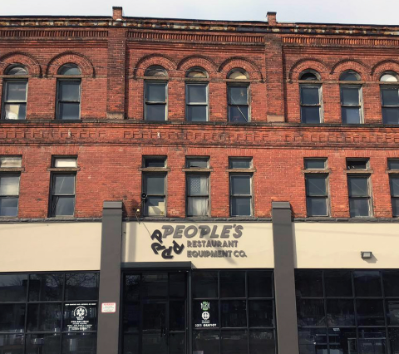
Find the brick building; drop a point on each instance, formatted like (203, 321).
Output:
(184, 186)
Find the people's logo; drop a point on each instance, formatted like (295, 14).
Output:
(205, 305)
(80, 313)
(205, 315)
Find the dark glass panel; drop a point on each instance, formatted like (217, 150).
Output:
(8, 207)
(340, 313)
(367, 283)
(392, 307)
(312, 341)
(234, 313)
(261, 313)
(316, 206)
(206, 342)
(315, 164)
(349, 76)
(391, 282)
(197, 162)
(12, 344)
(310, 115)
(350, 96)
(350, 115)
(44, 317)
(310, 312)
(205, 284)
(69, 69)
(358, 186)
(64, 184)
(43, 344)
(69, 111)
(153, 343)
(154, 285)
(261, 342)
(370, 313)
(390, 96)
(156, 70)
(308, 76)
(390, 115)
(79, 343)
(131, 317)
(81, 286)
(177, 285)
(130, 344)
(155, 112)
(154, 162)
(316, 185)
(238, 114)
(156, 92)
(196, 93)
(310, 95)
(232, 284)
(13, 287)
(132, 287)
(208, 320)
(12, 318)
(359, 207)
(155, 184)
(16, 91)
(64, 205)
(177, 315)
(240, 184)
(241, 206)
(73, 313)
(358, 164)
(241, 163)
(234, 342)
(342, 340)
(260, 284)
(154, 315)
(69, 91)
(395, 206)
(177, 343)
(338, 283)
(15, 111)
(372, 341)
(309, 283)
(238, 95)
(394, 340)
(196, 113)
(394, 179)
(45, 287)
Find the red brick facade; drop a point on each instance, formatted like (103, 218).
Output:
(112, 136)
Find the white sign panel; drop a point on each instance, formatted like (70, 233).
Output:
(108, 307)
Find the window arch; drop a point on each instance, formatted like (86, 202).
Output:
(156, 71)
(390, 97)
(349, 75)
(155, 93)
(309, 75)
(238, 96)
(197, 95)
(310, 97)
(351, 98)
(196, 73)
(389, 76)
(68, 92)
(237, 74)
(15, 93)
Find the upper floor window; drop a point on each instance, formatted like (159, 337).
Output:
(197, 95)
(9, 185)
(241, 203)
(197, 180)
(310, 97)
(390, 98)
(68, 92)
(155, 94)
(351, 98)
(393, 168)
(15, 93)
(238, 96)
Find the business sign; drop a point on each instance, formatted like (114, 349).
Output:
(80, 317)
(205, 314)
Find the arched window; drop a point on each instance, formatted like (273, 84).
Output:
(155, 94)
(238, 96)
(196, 95)
(351, 98)
(310, 97)
(15, 93)
(68, 92)
(390, 97)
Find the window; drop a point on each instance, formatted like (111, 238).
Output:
(63, 179)
(359, 195)
(154, 180)
(239, 308)
(155, 94)
(68, 92)
(393, 166)
(237, 97)
(37, 312)
(9, 185)
(15, 93)
(351, 98)
(197, 181)
(390, 98)
(316, 187)
(196, 96)
(310, 99)
(347, 311)
(240, 187)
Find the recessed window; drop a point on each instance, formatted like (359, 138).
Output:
(238, 74)
(309, 76)
(390, 104)
(156, 71)
(310, 99)
(389, 77)
(349, 76)
(197, 73)
(15, 93)
(240, 187)
(238, 97)
(154, 161)
(197, 188)
(9, 194)
(65, 162)
(196, 102)
(359, 195)
(10, 161)
(315, 164)
(317, 199)
(393, 164)
(238, 162)
(197, 162)
(69, 69)
(357, 164)
(68, 93)
(351, 99)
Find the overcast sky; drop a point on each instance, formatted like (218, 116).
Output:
(338, 11)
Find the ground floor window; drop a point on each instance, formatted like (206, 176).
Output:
(348, 311)
(48, 313)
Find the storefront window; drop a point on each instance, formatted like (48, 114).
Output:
(48, 313)
(347, 312)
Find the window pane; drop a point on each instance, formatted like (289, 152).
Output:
(370, 313)
(43, 344)
(232, 284)
(316, 185)
(88, 313)
(240, 184)
(155, 206)
(393, 164)
(358, 186)
(65, 162)
(338, 282)
(130, 344)
(340, 313)
(131, 317)
(16, 91)
(349, 76)
(8, 206)
(153, 343)
(359, 207)
(260, 284)
(372, 340)
(81, 286)
(205, 284)
(132, 287)
(197, 162)
(12, 344)
(393, 312)
(154, 285)
(234, 342)
(390, 115)
(196, 94)
(79, 343)
(212, 318)
(13, 287)
(350, 115)
(177, 343)
(19, 70)
(367, 283)
(177, 285)
(156, 92)
(63, 205)
(69, 91)
(315, 164)
(261, 342)
(241, 206)
(350, 96)
(69, 69)
(9, 185)
(238, 95)
(177, 315)
(155, 112)
(358, 164)
(197, 206)
(196, 113)
(45, 287)
(64, 184)
(206, 342)
(310, 95)
(261, 313)
(308, 283)
(238, 114)
(69, 111)
(44, 317)
(240, 163)
(310, 313)
(394, 182)
(313, 341)
(15, 111)
(391, 282)
(316, 206)
(154, 162)
(343, 341)
(12, 318)
(390, 96)
(394, 340)
(10, 161)
(154, 315)
(155, 184)
(310, 115)
(197, 185)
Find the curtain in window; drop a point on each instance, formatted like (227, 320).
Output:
(198, 187)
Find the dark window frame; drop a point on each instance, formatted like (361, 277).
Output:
(385, 86)
(311, 84)
(367, 197)
(201, 104)
(359, 106)
(60, 101)
(245, 85)
(241, 196)
(156, 81)
(326, 197)
(53, 196)
(11, 196)
(206, 196)
(145, 175)
(6, 82)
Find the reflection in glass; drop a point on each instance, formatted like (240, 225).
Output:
(154, 285)
(234, 342)
(372, 341)
(153, 343)
(132, 287)
(340, 312)
(260, 284)
(342, 340)
(234, 313)
(206, 342)
(131, 317)
(205, 284)
(370, 312)
(130, 344)
(43, 344)
(260, 313)
(312, 341)
(310, 312)
(309, 283)
(12, 318)
(12, 344)
(79, 343)
(44, 317)
(232, 284)
(81, 286)
(367, 283)
(261, 342)
(45, 287)
(391, 282)
(338, 283)
(13, 287)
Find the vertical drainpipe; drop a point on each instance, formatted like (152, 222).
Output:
(110, 278)
(284, 281)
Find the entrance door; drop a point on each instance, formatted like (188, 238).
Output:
(155, 313)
